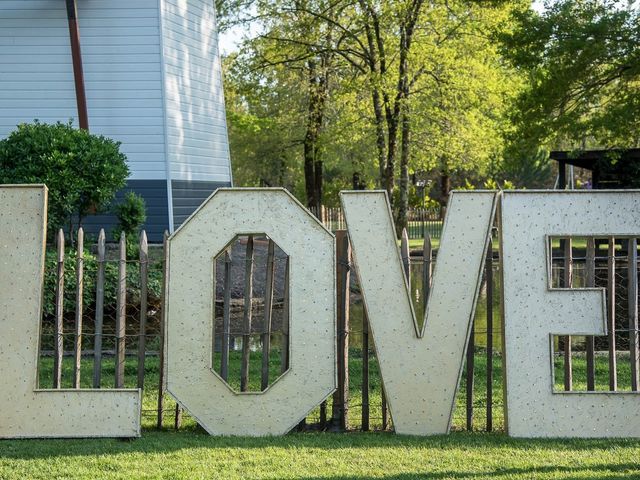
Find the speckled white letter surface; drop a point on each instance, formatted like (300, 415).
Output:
(27, 411)
(420, 375)
(311, 376)
(534, 312)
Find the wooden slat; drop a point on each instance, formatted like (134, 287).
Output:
(406, 259)
(489, 277)
(121, 310)
(99, 321)
(590, 267)
(470, 367)
(177, 422)
(161, 379)
(248, 311)
(365, 370)
(611, 314)
(144, 278)
(226, 319)
(566, 283)
(59, 327)
(323, 415)
(268, 308)
(427, 252)
(340, 412)
(634, 349)
(385, 410)
(284, 352)
(77, 347)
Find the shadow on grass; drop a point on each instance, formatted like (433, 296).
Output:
(153, 441)
(624, 471)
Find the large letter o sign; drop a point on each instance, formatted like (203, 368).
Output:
(190, 313)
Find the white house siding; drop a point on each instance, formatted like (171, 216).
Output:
(153, 82)
(197, 143)
(120, 42)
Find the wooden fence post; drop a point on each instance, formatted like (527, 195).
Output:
(427, 252)
(59, 327)
(284, 352)
(611, 311)
(634, 352)
(365, 370)
(177, 423)
(385, 410)
(121, 313)
(97, 339)
(590, 267)
(567, 281)
(471, 346)
(340, 411)
(489, 277)
(144, 276)
(163, 305)
(406, 260)
(246, 324)
(268, 305)
(226, 318)
(77, 350)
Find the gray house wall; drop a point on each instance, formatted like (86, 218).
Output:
(155, 194)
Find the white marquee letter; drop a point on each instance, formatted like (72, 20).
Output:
(420, 375)
(312, 373)
(534, 312)
(27, 411)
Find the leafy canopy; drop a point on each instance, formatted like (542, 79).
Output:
(583, 60)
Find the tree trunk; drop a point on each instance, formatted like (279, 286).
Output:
(403, 208)
(389, 179)
(381, 144)
(310, 140)
(445, 188)
(313, 167)
(317, 187)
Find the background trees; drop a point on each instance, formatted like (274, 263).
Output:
(332, 94)
(582, 59)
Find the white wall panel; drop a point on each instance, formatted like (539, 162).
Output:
(121, 54)
(197, 143)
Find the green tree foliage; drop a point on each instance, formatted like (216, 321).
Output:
(263, 113)
(131, 214)
(82, 171)
(369, 90)
(583, 62)
(527, 167)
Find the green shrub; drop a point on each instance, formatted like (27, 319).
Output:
(131, 214)
(82, 171)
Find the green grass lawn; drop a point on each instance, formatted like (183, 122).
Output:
(193, 455)
(190, 453)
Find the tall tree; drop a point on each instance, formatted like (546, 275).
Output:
(386, 87)
(583, 62)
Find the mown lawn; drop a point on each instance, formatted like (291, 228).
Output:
(190, 453)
